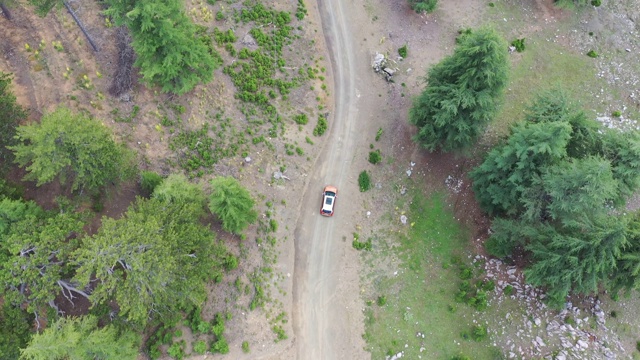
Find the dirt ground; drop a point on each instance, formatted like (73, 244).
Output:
(317, 282)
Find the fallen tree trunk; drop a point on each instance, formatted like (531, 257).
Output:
(5, 11)
(86, 34)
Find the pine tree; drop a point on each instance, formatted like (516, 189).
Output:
(462, 93)
(232, 203)
(81, 338)
(510, 169)
(578, 256)
(169, 53)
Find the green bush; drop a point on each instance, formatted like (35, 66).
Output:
(200, 347)
(479, 333)
(616, 114)
(245, 347)
(321, 127)
(592, 54)
(382, 300)
(596, 3)
(379, 133)
(375, 157)
(423, 6)
(149, 180)
(220, 346)
(364, 181)
(301, 119)
(518, 44)
(176, 350)
(403, 51)
(362, 245)
(460, 357)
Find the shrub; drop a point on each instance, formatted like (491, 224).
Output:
(362, 245)
(149, 180)
(382, 300)
(200, 347)
(220, 346)
(592, 54)
(460, 357)
(375, 157)
(245, 347)
(403, 51)
(638, 345)
(479, 333)
(596, 3)
(176, 350)
(423, 6)
(301, 119)
(518, 44)
(508, 290)
(321, 127)
(616, 114)
(364, 181)
(379, 133)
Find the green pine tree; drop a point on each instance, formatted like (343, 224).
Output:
(232, 204)
(462, 93)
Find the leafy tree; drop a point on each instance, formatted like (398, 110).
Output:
(462, 93)
(44, 6)
(154, 260)
(15, 330)
(37, 250)
(67, 145)
(10, 116)
(510, 168)
(81, 338)
(176, 188)
(423, 6)
(12, 211)
(577, 256)
(232, 204)
(169, 53)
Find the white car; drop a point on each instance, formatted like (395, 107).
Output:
(329, 196)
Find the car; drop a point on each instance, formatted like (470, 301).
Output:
(329, 195)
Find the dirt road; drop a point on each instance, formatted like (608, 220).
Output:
(327, 320)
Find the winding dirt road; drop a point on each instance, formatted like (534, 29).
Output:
(327, 320)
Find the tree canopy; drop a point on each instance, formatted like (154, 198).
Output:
(81, 338)
(554, 185)
(462, 93)
(169, 53)
(65, 146)
(11, 113)
(156, 259)
(232, 204)
(36, 251)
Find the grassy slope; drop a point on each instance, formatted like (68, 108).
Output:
(419, 295)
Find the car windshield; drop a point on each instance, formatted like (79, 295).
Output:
(330, 193)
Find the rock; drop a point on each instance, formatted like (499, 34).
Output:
(247, 159)
(409, 172)
(582, 344)
(248, 40)
(389, 71)
(368, 213)
(378, 62)
(511, 271)
(403, 219)
(537, 321)
(540, 342)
